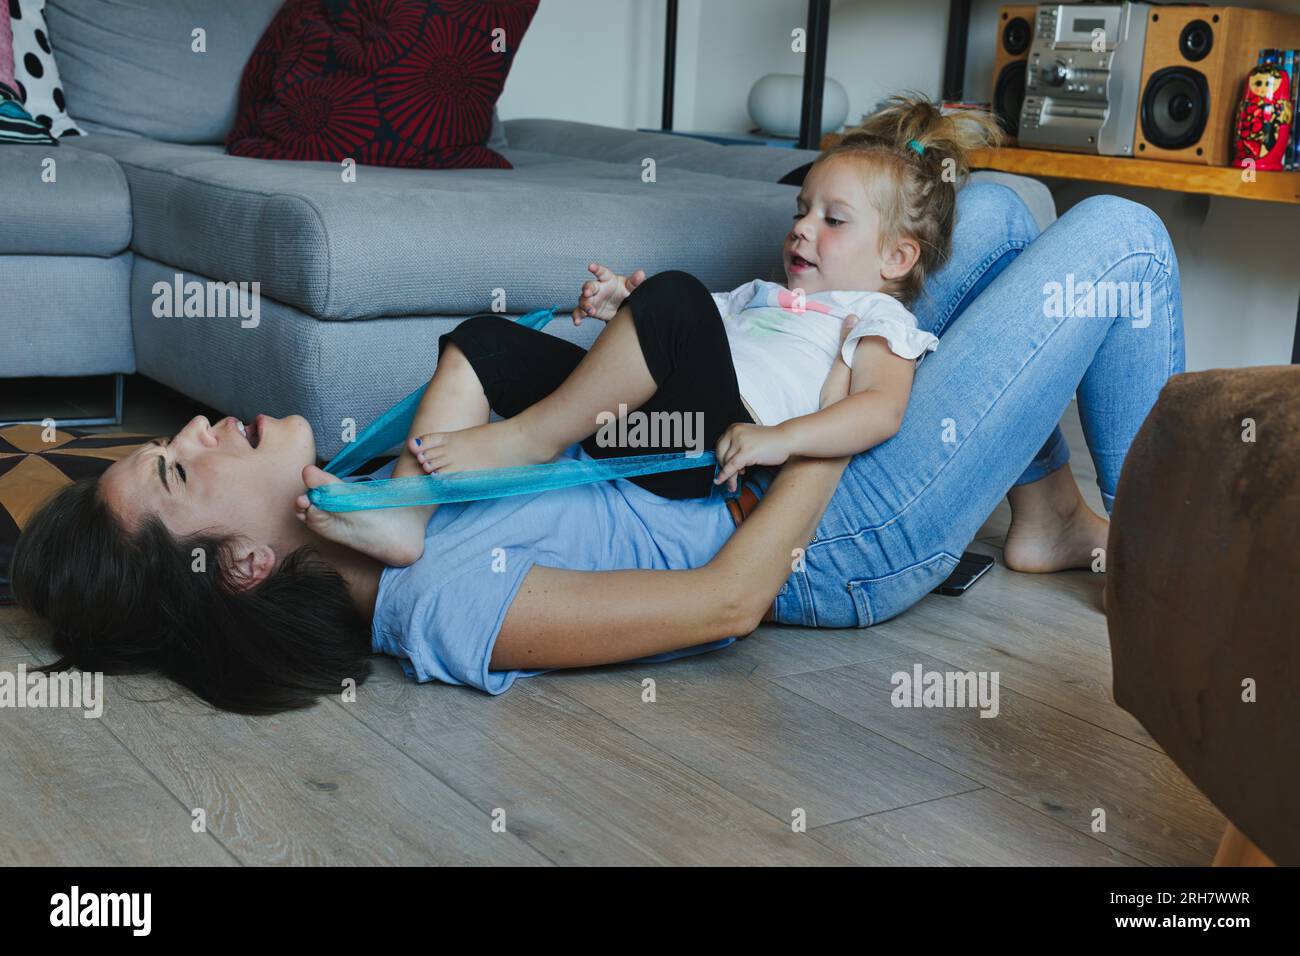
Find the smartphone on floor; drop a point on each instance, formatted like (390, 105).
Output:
(969, 569)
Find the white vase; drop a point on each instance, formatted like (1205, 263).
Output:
(776, 101)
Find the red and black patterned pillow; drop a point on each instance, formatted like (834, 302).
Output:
(384, 82)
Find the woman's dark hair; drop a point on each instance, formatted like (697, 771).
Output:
(146, 601)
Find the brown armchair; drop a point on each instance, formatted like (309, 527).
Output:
(1203, 596)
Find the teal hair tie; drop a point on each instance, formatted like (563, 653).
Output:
(920, 150)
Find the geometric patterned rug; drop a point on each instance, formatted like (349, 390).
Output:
(31, 470)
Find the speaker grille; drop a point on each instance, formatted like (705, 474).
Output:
(1196, 40)
(1175, 107)
(1016, 36)
(1009, 96)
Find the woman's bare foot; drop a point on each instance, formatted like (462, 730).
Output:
(500, 444)
(1052, 527)
(388, 535)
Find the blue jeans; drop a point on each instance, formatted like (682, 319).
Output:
(984, 410)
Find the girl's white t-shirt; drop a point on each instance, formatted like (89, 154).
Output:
(783, 343)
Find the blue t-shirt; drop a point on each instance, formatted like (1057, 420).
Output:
(441, 615)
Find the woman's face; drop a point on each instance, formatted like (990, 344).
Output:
(217, 479)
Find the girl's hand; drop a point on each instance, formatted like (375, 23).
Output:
(743, 444)
(601, 299)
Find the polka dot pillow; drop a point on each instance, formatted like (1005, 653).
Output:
(36, 75)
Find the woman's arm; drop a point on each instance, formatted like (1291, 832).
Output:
(565, 618)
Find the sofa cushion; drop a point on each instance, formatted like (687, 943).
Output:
(85, 211)
(412, 242)
(565, 138)
(65, 316)
(132, 64)
(383, 82)
(335, 374)
(765, 163)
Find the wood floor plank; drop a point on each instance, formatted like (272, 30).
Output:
(1067, 602)
(1039, 757)
(72, 795)
(768, 746)
(28, 632)
(312, 787)
(1057, 653)
(978, 828)
(775, 650)
(11, 649)
(10, 643)
(574, 785)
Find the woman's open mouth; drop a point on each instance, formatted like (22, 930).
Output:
(252, 432)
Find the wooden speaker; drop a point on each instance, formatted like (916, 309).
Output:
(1193, 68)
(1015, 35)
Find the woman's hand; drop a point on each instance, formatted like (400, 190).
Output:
(743, 444)
(601, 299)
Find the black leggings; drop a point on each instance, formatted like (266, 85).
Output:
(685, 348)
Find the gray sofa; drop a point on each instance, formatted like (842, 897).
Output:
(357, 279)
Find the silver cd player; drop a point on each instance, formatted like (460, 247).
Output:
(1082, 82)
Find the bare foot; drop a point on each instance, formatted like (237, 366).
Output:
(1054, 540)
(388, 535)
(500, 444)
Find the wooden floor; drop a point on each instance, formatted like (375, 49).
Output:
(789, 723)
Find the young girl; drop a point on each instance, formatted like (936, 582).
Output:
(757, 369)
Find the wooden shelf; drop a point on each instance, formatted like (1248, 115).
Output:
(1148, 173)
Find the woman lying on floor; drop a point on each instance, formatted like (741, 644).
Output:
(188, 558)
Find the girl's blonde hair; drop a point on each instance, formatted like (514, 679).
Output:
(914, 188)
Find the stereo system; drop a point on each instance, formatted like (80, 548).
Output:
(1130, 79)
(1081, 82)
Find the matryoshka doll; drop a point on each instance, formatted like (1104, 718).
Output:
(1263, 119)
